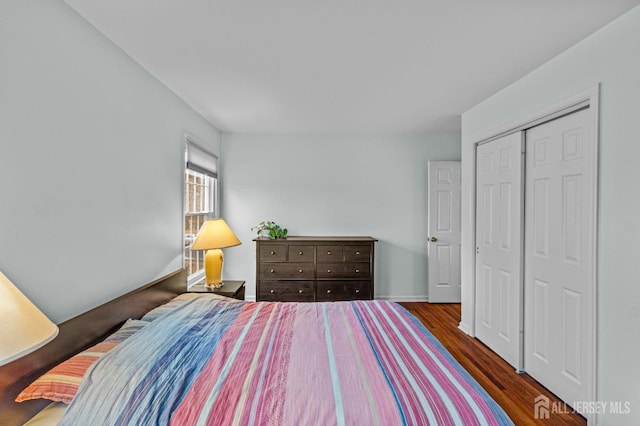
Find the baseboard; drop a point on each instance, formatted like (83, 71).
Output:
(252, 298)
(394, 298)
(462, 326)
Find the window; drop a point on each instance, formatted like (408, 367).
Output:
(200, 203)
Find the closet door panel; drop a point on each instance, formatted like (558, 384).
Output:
(499, 246)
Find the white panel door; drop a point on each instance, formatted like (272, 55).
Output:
(559, 256)
(443, 249)
(499, 246)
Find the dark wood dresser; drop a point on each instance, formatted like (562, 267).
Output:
(314, 269)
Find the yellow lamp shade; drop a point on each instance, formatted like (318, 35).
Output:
(215, 234)
(24, 328)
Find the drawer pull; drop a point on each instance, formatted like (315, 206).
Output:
(300, 270)
(329, 291)
(272, 291)
(328, 271)
(300, 252)
(357, 253)
(272, 271)
(357, 271)
(357, 290)
(272, 252)
(300, 291)
(329, 253)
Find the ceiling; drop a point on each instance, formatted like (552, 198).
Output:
(343, 67)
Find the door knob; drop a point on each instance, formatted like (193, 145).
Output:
(433, 239)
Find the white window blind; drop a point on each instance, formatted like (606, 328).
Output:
(200, 160)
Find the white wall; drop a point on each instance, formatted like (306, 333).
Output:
(610, 56)
(91, 162)
(335, 185)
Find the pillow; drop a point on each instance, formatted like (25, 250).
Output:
(62, 381)
(169, 306)
(126, 331)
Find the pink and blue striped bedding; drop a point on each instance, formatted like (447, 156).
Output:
(217, 361)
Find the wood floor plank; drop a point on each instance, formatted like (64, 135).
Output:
(514, 392)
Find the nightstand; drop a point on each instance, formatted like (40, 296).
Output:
(233, 289)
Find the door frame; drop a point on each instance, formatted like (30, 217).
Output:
(589, 98)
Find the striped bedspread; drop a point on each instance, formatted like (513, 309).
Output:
(215, 361)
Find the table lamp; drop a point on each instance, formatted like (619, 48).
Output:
(24, 328)
(214, 235)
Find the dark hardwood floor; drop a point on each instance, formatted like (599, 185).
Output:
(514, 392)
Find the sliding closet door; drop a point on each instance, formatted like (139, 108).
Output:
(559, 255)
(499, 246)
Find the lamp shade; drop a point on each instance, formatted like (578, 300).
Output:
(215, 234)
(24, 328)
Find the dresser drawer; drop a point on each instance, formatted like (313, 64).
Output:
(330, 253)
(286, 270)
(344, 270)
(298, 253)
(273, 253)
(328, 291)
(357, 253)
(289, 291)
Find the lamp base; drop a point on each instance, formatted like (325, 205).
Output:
(219, 285)
(213, 260)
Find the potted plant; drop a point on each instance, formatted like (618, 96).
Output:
(270, 229)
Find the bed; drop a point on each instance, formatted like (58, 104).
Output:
(206, 359)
